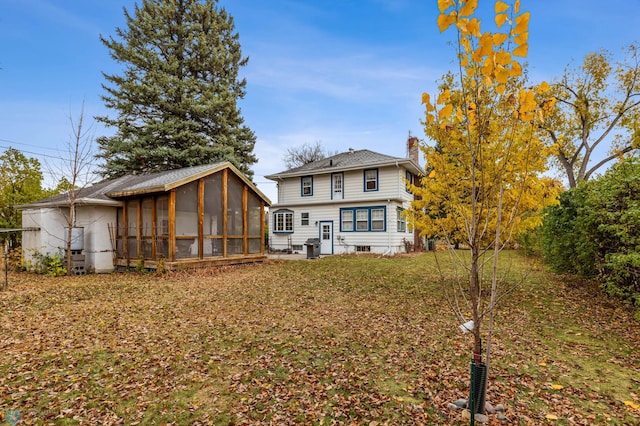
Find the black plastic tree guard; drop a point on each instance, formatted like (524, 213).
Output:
(477, 389)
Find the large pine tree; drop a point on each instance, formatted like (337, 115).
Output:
(176, 99)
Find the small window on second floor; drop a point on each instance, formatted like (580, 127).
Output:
(371, 180)
(307, 186)
(409, 177)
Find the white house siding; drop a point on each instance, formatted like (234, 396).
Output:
(284, 241)
(388, 242)
(390, 185)
(323, 205)
(51, 234)
(391, 194)
(384, 242)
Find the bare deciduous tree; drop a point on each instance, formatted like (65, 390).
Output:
(76, 171)
(305, 154)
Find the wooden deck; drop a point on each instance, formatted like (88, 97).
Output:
(185, 264)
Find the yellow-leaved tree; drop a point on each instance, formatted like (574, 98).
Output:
(483, 181)
(598, 104)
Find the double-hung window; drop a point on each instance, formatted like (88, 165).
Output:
(362, 220)
(307, 186)
(283, 221)
(377, 219)
(371, 180)
(409, 177)
(304, 218)
(402, 220)
(346, 219)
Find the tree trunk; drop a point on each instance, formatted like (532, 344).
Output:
(474, 282)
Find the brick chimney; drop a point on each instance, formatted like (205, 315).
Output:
(412, 149)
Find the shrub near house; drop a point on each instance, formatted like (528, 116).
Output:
(595, 231)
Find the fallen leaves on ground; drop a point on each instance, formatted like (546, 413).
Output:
(341, 340)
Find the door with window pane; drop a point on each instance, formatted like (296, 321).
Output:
(326, 237)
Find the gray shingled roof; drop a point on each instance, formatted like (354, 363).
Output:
(162, 180)
(105, 192)
(343, 161)
(94, 193)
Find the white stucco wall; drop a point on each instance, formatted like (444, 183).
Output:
(51, 234)
(97, 242)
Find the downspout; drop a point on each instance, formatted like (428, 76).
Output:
(388, 228)
(386, 253)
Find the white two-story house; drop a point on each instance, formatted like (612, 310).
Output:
(352, 202)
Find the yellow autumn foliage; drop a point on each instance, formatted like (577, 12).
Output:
(522, 50)
(501, 7)
(503, 57)
(468, 8)
(499, 38)
(444, 96)
(443, 5)
(469, 26)
(445, 21)
(502, 74)
(446, 111)
(501, 18)
(522, 38)
(543, 88)
(522, 24)
(486, 161)
(516, 69)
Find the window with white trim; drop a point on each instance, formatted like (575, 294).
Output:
(402, 221)
(346, 220)
(283, 221)
(362, 220)
(307, 186)
(304, 218)
(409, 177)
(371, 180)
(377, 219)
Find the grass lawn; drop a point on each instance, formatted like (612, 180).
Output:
(339, 340)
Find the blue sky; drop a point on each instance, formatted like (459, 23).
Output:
(346, 73)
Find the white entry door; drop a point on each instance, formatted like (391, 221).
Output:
(326, 237)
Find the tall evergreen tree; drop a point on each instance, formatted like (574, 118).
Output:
(176, 99)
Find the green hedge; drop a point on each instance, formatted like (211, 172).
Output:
(595, 231)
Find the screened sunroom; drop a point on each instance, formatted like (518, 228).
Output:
(190, 217)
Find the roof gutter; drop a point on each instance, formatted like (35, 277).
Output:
(329, 170)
